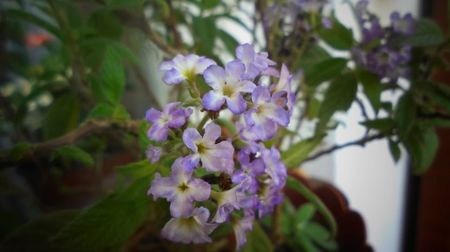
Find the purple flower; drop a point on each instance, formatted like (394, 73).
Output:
(183, 68)
(274, 167)
(269, 196)
(153, 153)
(227, 85)
(242, 226)
(215, 157)
(171, 117)
(230, 200)
(251, 167)
(405, 25)
(190, 229)
(266, 114)
(282, 92)
(180, 189)
(375, 31)
(361, 10)
(254, 62)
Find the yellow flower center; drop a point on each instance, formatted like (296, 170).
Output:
(228, 90)
(183, 187)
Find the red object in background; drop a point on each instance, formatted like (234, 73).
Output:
(351, 233)
(37, 39)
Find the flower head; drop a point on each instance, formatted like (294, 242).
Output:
(180, 188)
(230, 200)
(228, 86)
(171, 117)
(189, 229)
(153, 153)
(215, 157)
(403, 25)
(242, 226)
(254, 62)
(183, 68)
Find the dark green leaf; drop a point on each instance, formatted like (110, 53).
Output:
(372, 88)
(108, 224)
(339, 97)
(134, 4)
(35, 235)
(74, 153)
(315, 200)
(427, 33)
(380, 124)
(110, 84)
(395, 151)
(257, 240)
(405, 114)
(298, 152)
(62, 116)
(209, 4)
(338, 36)
(422, 145)
(106, 23)
(312, 56)
(325, 70)
(20, 14)
(204, 29)
(316, 232)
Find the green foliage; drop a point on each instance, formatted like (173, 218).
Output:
(35, 235)
(427, 33)
(372, 88)
(380, 124)
(204, 31)
(325, 70)
(108, 224)
(63, 115)
(338, 36)
(137, 170)
(257, 240)
(298, 152)
(106, 110)
(74, 153)
(405, 114)
(422, 144)
(316, 201)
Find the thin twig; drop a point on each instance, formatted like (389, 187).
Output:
(336, 147)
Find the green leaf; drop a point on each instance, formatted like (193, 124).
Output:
(204, 29)
(20, 14)
(106, 23)
(316, 201)
(257, 240)
(106, 110)
(109, 223)
(140, 169)
(395, 151)
(305, 213)
(19, 151)
(422, 145)
(298, 152)
(338, 36)
(34, 236)
(119, 4)
(62, 116)
(339, 97)
(380, 124)
(325, 70)
(427, 33)
(229, 41)
(74, 153)
(405, 114)
(316, 232)
(110, 84)
(209, 4)
(372, 88)
(312, 56)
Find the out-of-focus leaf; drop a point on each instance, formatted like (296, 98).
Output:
(338, 36)
(422, 145)
(105, 110)
(339, 97)
(34, 236)
(229, 41)
(106, 23)
(205, 31)
(380, 124)
(372, 88)
(257, 240)
(19, 150)
(24, 15)
(395, 151)
(108, 224)
(305, 212)
(133, 4)
(316, 232)
(110, 84)
(74, 153)
(325, 70)
(427, 33)
(405, 114)
(62, 116)
(312, 56)
(209, 4)
(298, 152)
(311, 197)
(140, 169)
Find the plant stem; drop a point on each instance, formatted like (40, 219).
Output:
(203, 122)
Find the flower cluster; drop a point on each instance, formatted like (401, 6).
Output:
(218, 176)
(380, 51)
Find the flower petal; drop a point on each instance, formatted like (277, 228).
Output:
(162, 187)
(199, 190)
(214, 76)
(158, 132)
(213, 100)
(152, 115)
(212, 132)
(190, 137)
(173, 77)
(236, 104)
